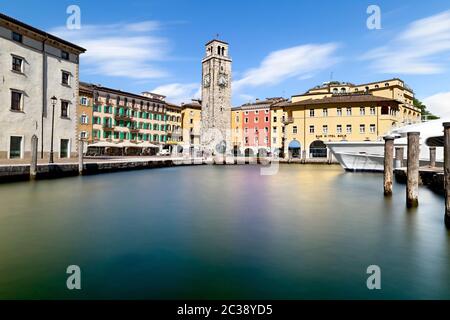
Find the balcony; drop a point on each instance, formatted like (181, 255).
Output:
(134, 129)
(123, 116)
(108, 127)
(287, 120)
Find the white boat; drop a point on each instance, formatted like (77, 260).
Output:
(369, 155)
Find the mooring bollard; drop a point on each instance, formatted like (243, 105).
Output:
(412, 183)
(447, 172)
(80, 157)
(399, 151)
(432, 157)
(34, 150)
(388, 164)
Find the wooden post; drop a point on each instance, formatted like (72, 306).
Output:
(412, 184)
(34, 151)
(447, 172)
(399, 151)
(388, 164)
(80, 156)
(432, 157)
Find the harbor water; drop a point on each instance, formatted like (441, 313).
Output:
(309, 231)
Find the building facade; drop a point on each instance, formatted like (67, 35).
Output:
(216, 97)
(120, 116)
(395, 89)
(173, 125)
(36, 67)
(308, 124)
(191, 117)
(85, 112)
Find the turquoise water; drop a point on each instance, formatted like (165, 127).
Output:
(221, 232)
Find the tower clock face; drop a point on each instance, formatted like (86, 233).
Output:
(223, 80)
(207, 80)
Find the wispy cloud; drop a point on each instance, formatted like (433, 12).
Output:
(179, 92)
(419, 49)
(438, 104)
(120, 50)
(296, 62)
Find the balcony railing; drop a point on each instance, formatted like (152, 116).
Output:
(287, 120)
(108, 126)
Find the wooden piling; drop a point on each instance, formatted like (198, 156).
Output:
(80, 157)
(432, 157)
(399, 153)
(34, 157)
(388, 164)
(447, 172)
(412, 183)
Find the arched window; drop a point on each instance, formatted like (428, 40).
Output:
(343, 90)
(117, 100)
(335, 90)
(218, 50)
(223, 51)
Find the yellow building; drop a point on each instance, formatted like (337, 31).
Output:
(392, 89)
(356, 117)
(85, 113)
(236, 130)
(191, 116)
(173, 124)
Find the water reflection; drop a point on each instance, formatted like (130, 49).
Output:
(221, 232)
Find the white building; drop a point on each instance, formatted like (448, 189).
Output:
(34, 67)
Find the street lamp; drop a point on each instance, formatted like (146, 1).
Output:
(54, 100)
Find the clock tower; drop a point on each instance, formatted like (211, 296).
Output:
(216, 97)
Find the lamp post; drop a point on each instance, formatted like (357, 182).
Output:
(54, 100)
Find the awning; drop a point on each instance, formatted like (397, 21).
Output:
(147, 144)
(103, 145)
(128, 144)
(294, 145)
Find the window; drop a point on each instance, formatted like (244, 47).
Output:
(64, 55)
(246, 120)
(349, 111)
(274, 140)
(372, 111)
(15, 147)
(84, 119)
(246, 140)
(274, 119)
(362, 111)
(237, 118)
(325, 112)
(266, 111)
(246, 130)
(64, 109)
(256, 111)
(246, 113)
(17, 64)
(256, 120)
(294, 129)
(339, 128)
(191, 121)
(17, 37)
(339, 112)
(84, 101)
(311, 129)
(311, 112)
(84, 135)
(274, 129)
(266, 129)
(65, 79)
(16, 100)
(64, 150)
(372, 128)
(362, 128)
(325, 129)
(266, 119)
(349, 128)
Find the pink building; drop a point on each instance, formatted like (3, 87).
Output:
(256, 126)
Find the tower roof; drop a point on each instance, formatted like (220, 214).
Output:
(216, 40)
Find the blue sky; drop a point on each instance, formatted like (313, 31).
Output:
(279, 48)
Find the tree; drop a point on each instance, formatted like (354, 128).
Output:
(423, 109)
